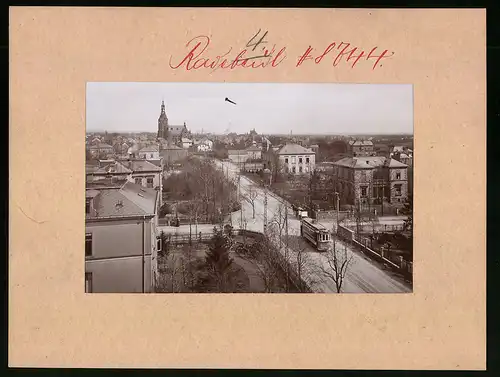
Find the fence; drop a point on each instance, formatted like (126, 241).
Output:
(399, 264)
(279, 258)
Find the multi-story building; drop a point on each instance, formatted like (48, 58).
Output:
(254, 152)
(361, 148)
(121, 240)
(141, 172)
(150, 152)
(370, 179)
(100, 149)
(290, 159)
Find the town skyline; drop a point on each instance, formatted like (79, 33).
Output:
(271, 109)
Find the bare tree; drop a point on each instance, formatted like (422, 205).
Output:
(277, 224)
(302, 263)
(251, 196)
(338, 262)
(265, 259)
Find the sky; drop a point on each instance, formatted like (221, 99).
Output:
(268, 108)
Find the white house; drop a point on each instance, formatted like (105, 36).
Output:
(205, 145)
(151, 152)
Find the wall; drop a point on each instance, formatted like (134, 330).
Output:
(149, 155)
(403, 181)
(307, 167)
(121, 275)
(238, 158)
(144, 175)
(116, 263)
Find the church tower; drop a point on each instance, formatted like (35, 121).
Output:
(163, 123)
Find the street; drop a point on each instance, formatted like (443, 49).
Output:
(363, 276)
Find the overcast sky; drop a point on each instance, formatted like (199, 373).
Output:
(269, 108)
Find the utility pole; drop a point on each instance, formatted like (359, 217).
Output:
(265, 211)
(286, 246)
(337, 197)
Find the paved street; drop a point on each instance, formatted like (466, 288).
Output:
(364, 275)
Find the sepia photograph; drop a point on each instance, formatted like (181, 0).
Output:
(248, 188)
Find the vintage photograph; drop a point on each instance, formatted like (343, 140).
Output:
(248, 188)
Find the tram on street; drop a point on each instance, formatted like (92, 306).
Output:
(315, 233)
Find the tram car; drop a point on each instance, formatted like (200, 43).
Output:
(315, 233)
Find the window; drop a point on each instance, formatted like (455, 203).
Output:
(398, 175)
(151, 155)
(286, 160)
(397, 190)
(150, 182)
(87, 206)
(158, 244)
(300, 160)
(138, 181)
(374, 192)
(307, 160)
(293, 169)
(300, 169)
(293, 159)
(306, 169)
(88, 282)
(88, 244)
(363, 191)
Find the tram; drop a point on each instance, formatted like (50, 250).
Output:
(315, 233)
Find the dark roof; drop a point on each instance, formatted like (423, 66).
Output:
(369, 162)
(176, 130)
(129, 200)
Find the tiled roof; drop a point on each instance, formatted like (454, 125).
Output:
(175, 130)
(139, 165)
(113, 167)
(368, 162)
(362, 142)
(129, 200)
(151, 148)
(294, 149)
(396, 164)
(101, 146)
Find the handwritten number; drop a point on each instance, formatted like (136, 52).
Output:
(255, 44)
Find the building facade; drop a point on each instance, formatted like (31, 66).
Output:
(290, 159)
(361, 148)
(370, 180)
(121, 240)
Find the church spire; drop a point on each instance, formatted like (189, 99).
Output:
(162, 107)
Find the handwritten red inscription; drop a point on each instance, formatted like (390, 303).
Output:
(342, 50)
(196, 59)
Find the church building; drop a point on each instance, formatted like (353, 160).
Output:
(172, 134)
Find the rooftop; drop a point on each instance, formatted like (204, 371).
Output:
(369, 162)
(101, 146)
(294, 149)
(150, 148)
(253, 148)
(139, 165)
(361, 142)
(128, 200)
